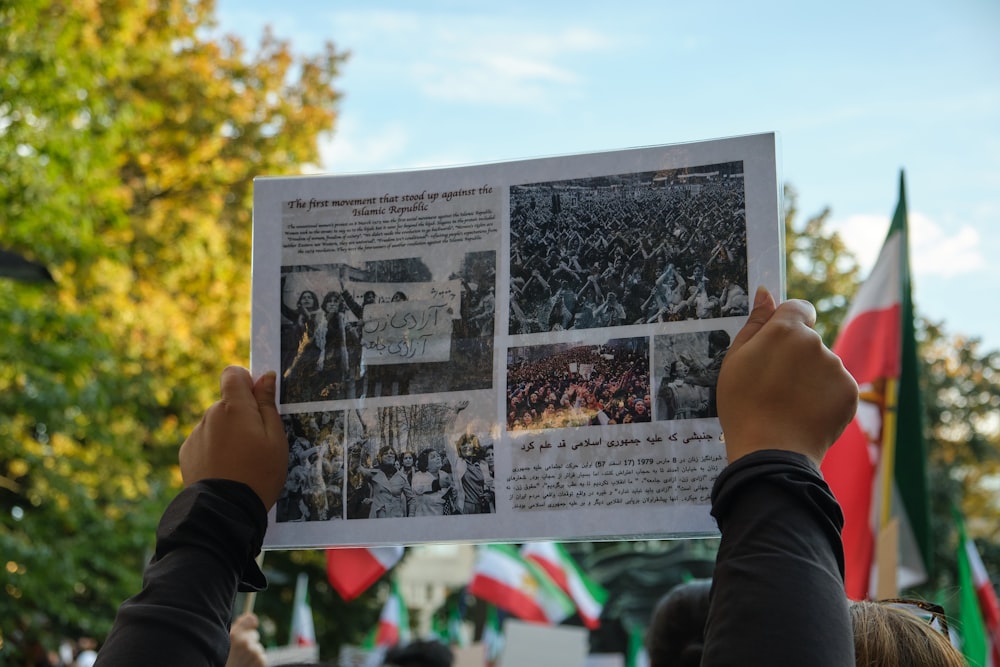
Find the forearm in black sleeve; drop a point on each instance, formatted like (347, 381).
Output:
(205, 548)
(778, 589)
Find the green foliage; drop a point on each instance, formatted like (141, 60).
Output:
(129, 138)
(336, 622)
(819, 267)
(961, 384)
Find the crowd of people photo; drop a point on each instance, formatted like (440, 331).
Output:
(565, 385)
(635, 249)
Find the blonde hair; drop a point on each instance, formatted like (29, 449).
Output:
(890, 636)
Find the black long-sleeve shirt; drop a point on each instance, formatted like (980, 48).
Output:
(777, 593)
(778, 590)
(206, 543)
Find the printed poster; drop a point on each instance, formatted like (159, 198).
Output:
(509, 351)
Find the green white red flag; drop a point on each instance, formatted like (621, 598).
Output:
(352, 571)
(492, 636)
(588, 596)
(878, 346)
(303, 632)
(393, 621)
(518, 586)
(979, 611)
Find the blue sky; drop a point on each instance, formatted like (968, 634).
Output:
(856, 90)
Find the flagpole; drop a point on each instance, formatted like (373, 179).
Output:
(887, 535)
(251, 597)
(888, 449)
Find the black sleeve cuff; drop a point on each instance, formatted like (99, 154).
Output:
(223, 516)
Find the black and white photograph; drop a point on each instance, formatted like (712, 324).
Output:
(657, 246)
(387, 328)
(686, 372)
(314, 490)
(578, 384)
(432, 459)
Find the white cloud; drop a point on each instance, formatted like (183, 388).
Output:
(504, 66)
(934, 249)
(471, 59)
(353, 148)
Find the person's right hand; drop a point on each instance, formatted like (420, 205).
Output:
(240, 438)
(780, 387)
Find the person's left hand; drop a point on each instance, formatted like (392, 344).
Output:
(245, 649)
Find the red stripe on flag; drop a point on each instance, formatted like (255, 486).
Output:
(869, 345)
(557, 574)
(512, 600)
(387, 634)
(352, 571)
(850, 472)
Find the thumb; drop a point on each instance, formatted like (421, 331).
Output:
(265, 392)
(235, 384)
(763, 308)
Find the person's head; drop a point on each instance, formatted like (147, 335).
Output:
(676, 633)
(892, 635)
(640, 407)
(398, 296)
(489, 455)
(387, 455)
(677, 370)
(420, 653)
(408, 459)
(468, 447)
(331, 302)
(429, 461)
(308, 300)
(718, 340)
(369, 297)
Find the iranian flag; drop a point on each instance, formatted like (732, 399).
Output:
(352, 571)
(877, 469)
(492, 636)
(979, 611)
(303, 632)
(588, 596)
(394, 621)
(518, 586)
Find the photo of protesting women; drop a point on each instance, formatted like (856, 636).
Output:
(638, 248)
(578, 384)
(420, 460)
(387, 328)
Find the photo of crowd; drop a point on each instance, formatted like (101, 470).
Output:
(686, 373)
(575, 384)
(414, 461)
(314, 490)
(326, 313)
(636, 248)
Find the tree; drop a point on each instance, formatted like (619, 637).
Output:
(962, 394)
(129, 138)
